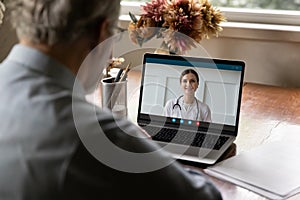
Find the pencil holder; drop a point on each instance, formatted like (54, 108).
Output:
(114, 96)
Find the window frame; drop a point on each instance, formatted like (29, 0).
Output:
(259, 16)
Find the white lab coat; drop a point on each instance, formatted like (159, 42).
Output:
(202, 110)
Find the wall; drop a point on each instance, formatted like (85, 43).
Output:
(271, 52)
(271, 56)
(7, 39)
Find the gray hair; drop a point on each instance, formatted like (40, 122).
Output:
(2, 9)
(54, 21)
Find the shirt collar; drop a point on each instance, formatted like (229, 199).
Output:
(35, 60)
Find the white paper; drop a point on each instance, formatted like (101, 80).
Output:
(272, 170)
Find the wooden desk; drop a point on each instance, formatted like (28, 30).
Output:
(267, 114)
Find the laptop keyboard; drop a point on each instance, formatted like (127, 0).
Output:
(187, 137)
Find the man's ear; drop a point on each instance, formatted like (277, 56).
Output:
(104, 32)
(99, 33)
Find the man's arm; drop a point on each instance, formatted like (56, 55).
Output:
(88, 178)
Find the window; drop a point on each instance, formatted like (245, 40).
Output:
(256, 4)
(280, 12)
(260, 4)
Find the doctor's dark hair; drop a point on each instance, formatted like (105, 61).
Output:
(57, 21)
(188, 71)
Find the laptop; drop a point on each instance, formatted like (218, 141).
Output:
(189, 138)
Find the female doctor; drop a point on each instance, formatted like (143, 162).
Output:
(187, 106)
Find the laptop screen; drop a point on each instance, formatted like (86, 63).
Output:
(191, 92)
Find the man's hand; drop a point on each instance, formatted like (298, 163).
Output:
(145, 133)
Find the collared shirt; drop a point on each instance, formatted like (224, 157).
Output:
(35, 116)
(42, 156)
(195, 111)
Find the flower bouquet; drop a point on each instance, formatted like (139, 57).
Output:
(179, 23)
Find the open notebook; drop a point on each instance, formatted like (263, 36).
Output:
(205, 129)
(272, 170)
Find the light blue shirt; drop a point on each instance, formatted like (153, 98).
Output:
(42, 157)
(35, 113)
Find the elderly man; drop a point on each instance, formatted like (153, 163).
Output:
(42, 155)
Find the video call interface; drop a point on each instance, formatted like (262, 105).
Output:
(217, 92)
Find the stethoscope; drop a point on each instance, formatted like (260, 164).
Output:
(179, 106)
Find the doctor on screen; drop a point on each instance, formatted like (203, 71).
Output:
(187, 106)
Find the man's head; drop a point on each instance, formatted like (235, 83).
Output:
(62, 21)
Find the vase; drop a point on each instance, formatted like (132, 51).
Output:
(164, 49)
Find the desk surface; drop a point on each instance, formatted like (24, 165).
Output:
(267, 114)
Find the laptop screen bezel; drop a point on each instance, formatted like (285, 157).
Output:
(144, 119)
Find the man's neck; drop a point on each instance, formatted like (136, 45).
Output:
(61, 52)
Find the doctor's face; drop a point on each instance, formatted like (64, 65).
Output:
(189, 84)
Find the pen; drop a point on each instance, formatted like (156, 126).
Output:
(118, 75)
(125, 72)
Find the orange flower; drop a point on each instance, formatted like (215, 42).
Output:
(197, 19)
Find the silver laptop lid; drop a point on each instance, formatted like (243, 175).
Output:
(219, 91)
